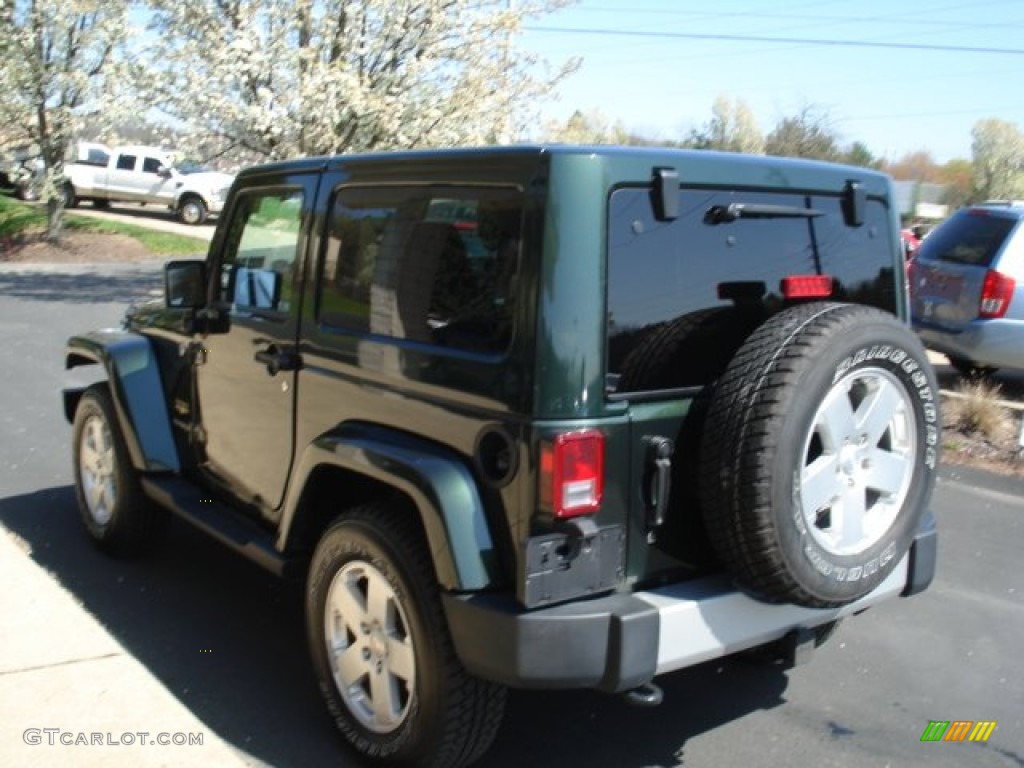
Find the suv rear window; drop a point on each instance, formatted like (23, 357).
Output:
(972, 237)
(717, 280)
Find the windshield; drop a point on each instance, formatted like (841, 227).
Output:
(187, 168)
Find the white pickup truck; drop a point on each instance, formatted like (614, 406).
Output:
(144, 175)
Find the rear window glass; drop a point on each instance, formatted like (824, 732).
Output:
(970, 237)
(698, 285)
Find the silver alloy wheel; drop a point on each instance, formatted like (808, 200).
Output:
(191, 212)
(858, 461)
(369, 647)
(97, 464)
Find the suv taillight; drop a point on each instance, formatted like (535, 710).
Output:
(996, 293)
(572, 473)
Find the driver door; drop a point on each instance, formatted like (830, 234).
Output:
(247, 370)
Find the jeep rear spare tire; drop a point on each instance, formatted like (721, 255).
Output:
(823, 455)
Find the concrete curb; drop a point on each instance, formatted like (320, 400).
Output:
(70, 694)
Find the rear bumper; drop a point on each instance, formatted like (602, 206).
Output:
(621, 641)
(998, 343)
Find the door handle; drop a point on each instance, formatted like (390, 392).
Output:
(657, 480)
(277, 359)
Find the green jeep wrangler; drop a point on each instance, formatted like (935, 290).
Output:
(540, 417)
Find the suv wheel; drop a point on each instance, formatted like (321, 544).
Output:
(116, 513)
(823, 456)
(381, 650)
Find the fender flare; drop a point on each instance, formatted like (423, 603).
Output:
(435, 478)
(136, 389)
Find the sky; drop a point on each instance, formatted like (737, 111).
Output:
(659, 65)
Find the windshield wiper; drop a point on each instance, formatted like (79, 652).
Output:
(726, 214)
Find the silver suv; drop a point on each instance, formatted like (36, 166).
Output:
(967, 288)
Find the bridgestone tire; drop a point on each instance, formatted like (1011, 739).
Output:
(823, 455)
(118, 517)
(381, 649)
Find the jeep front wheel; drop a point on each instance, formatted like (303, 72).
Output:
(381, 649)
(823, 455)
(116, 513)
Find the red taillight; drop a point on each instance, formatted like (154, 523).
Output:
(807, 286)
(996, 293)
(572, 473)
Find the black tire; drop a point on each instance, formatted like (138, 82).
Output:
(802, 502)
(440, 715)
(971, 370)
(70, 198)
(192, 210)
(101, 205)
(117, 515)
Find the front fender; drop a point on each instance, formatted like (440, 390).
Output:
(136, 390)
(437, 481)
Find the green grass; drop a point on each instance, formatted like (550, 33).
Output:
(17, 218)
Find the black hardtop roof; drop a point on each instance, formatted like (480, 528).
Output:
(701, 166)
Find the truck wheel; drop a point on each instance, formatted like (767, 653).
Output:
(27, 192)
(101, 205)
(381, 649)
(117, 515)
(823, 455)
(192, 211)
(70, 198)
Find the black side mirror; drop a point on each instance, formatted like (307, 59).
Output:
(185, 284)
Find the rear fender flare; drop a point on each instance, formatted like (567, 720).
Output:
(136, 389)
(435, 478)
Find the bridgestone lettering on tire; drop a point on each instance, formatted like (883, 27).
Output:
(823, 455)
(381, 649)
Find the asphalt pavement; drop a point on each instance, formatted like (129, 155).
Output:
(195, 642)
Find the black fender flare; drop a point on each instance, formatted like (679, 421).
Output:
(136, 389)
(435, 478)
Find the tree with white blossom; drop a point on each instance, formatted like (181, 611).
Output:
(281, 78)
(56, 55)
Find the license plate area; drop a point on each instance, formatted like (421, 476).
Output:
(559, 567)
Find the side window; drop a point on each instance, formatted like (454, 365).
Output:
(151, 165)
(126, 162)
(429, 264)
(257, 271)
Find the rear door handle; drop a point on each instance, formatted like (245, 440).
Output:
(657, 479)
(277, 359)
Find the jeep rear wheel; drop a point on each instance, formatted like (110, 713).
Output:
(116, 513)
(823, 456)
(381, 649)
